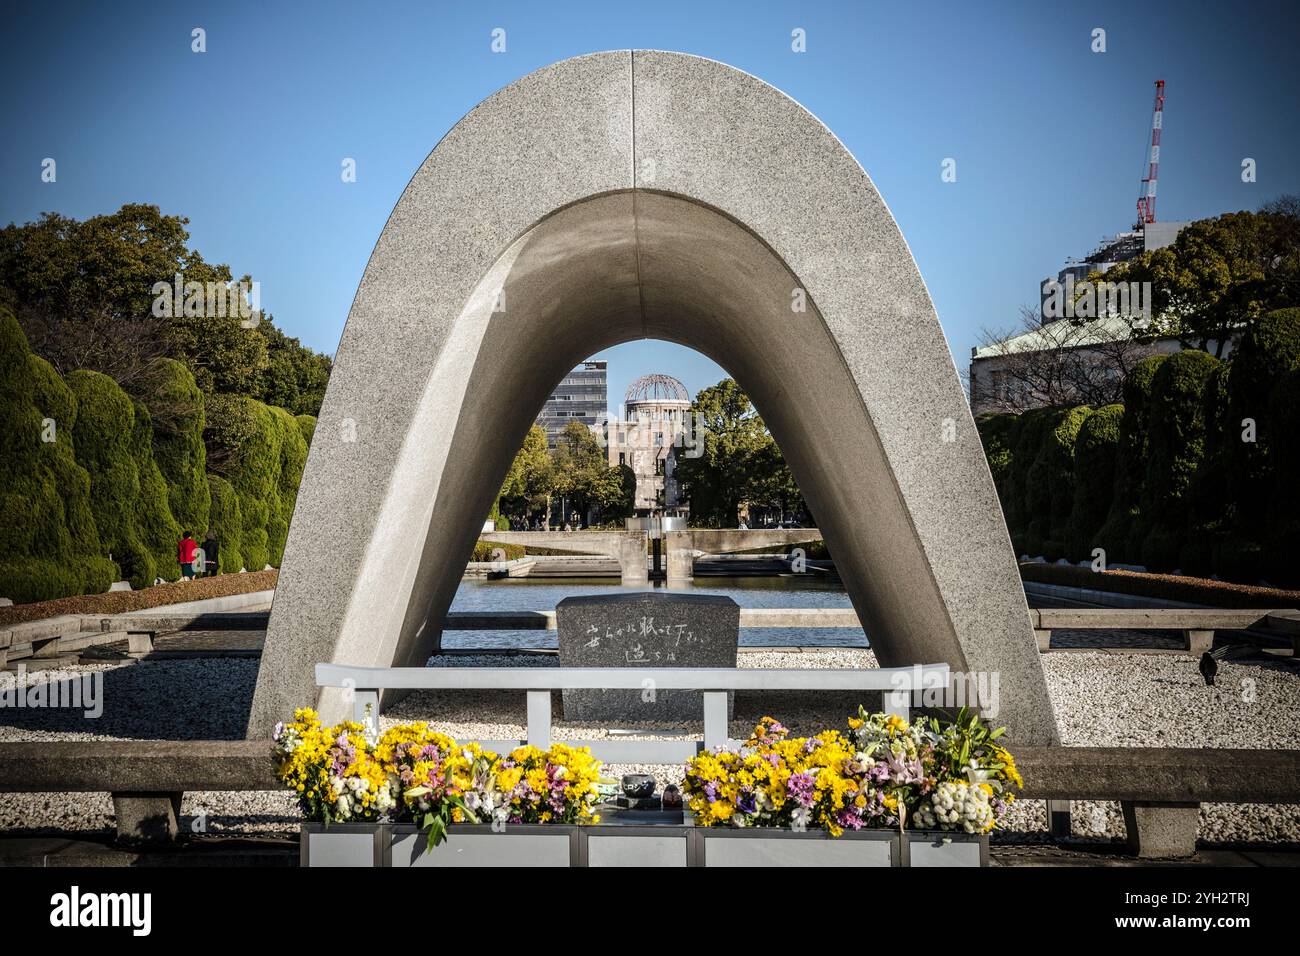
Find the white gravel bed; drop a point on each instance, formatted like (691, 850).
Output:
(1135, 700)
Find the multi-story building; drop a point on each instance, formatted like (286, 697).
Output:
(1083, 360)
(580, 397)
(653, 430)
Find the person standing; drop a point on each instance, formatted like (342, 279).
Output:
(185, 554)
(211, 551)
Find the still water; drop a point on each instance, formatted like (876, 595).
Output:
(542, 594)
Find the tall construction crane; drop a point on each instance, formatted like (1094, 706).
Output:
(1146, 204)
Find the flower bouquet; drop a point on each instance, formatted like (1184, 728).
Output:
(414, 774)
(884, 772)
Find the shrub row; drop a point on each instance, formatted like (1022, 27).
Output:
(1196, 471)
(94, 488)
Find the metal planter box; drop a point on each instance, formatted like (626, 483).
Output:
(522, 844)
(720, 846)
(341, 844)
(561, 845)
(924, 848)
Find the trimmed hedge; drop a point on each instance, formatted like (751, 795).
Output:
(1123, 531)
(1269, 351)
(483, 551)
(1175, 446)
(178, 447)
(1281, 543)
(293, 458)
(226, 525)
(1173, 472)
(159, 531)
(1096, 451)
(246, 438)
(57, 403)
(306, 425)
(998, 433)
(1034, 424)
(104, 438)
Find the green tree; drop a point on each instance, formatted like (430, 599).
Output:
(1124, 530)
(49, 543)
(178, 445)
(1096, 450)
(159, 532)
(1175, 447)
(104, 436)
(582, 474)
(739, 461)
(243, 440)
(530, 482)
(294, 377)
(1222, 275)
(227, 525)
(84, 289)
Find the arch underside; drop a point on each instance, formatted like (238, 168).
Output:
(514, 255)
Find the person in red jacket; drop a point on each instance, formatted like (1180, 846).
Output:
(185, 553)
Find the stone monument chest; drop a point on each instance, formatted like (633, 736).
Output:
(649, 630)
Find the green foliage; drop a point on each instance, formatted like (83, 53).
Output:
(530, 482)
(244, 439)
(226, 525)
(1175, 446)
(158, 530)
(1221, 273)
(293, 458)
(492, 551)
(178, 446)
(740, 461)
(583, 475)
(1124, 529)
(1281, 542)
(1049, 495)
(104, 439)
(1025, 523)
(123, 469)
(58, 406)
(1096, 450)
(1269, 350)
(36, 553)
(998, 433)
(294, 377)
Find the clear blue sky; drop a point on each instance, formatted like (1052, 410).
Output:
(246, 139)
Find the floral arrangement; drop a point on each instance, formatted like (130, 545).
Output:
(333, 770)
(884, 772)
(416, 774)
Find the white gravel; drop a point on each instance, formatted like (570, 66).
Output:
(1101, 699)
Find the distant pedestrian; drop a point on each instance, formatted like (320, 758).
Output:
(211, 554)
(185, 555)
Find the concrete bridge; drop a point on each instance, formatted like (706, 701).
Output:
(628, 548)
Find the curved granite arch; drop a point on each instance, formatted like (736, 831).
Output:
(625, 195)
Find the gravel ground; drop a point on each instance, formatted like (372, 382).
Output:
(1110, 699)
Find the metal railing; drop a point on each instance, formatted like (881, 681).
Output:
(896, 684)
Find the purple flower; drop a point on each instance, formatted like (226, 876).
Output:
(801, 788)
